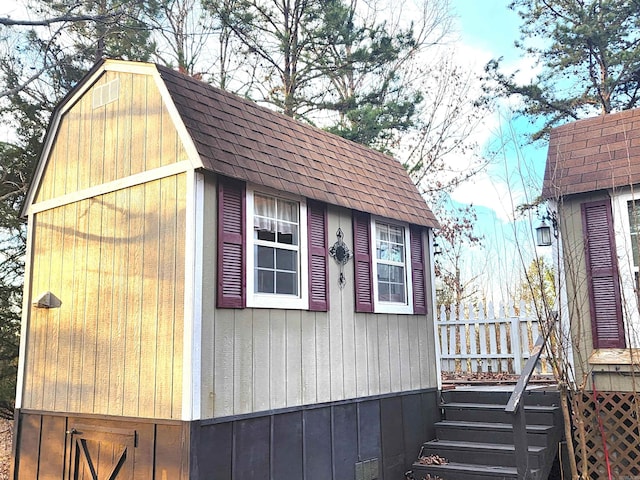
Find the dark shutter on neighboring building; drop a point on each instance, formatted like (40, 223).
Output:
(318, 267)
(418, 270)
(602, 275)
(231, 251)
(362, 262)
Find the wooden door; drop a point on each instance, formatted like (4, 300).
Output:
(100, 453)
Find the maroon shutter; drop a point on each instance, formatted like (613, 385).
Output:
(602, 275)
(417, 270)
(362, 260)
(318, 267)
(231, 251)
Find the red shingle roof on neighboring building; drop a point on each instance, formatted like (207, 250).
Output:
(237, 138)
(593, 154)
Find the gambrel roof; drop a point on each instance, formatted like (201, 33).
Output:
(234, 137)
(239, 139)
(593, 154)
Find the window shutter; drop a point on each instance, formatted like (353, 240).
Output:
(417, 270)
(362, 261)
(318, 267)
(602, 275)
(231, 247)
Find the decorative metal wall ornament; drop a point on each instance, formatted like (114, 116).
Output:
(341, 254)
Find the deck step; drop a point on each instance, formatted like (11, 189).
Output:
(466, 471)
(497, 432)
(491, 412)
(496, 454)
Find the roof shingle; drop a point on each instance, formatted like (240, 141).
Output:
(593, 154)
(240, 139)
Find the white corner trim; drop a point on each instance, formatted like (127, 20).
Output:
(126, 182)
(192, 342)
(26, 314)
(433, 307)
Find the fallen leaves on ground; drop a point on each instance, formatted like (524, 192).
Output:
(432, 460)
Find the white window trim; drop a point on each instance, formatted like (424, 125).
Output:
(391, 307)
(273, 300)
(626, 269)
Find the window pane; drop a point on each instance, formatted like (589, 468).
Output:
(287, 211)
(286, 283)
(264, 281)
(383, 292)
(396, 293)
(264, 257)
(287, 233)
(383, 272)
(396, 274)
(286, 260)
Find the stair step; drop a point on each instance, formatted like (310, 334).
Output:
(535, 414)
(481, 453)
(466, 471)
(539, 396)
(496, 432)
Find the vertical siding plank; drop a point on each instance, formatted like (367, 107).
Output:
(414, 346)
(394, 355)
(169, 138)
(112, 118)
(373, 358)
(166, 298)
(37, 320)
(79, 289)
(224, 359)
(105, 304)
(124, 143)
(139, 124)
(66, 294)
(29, 446)
(338, 342)
(52, 456)
(384, 353)
(96, 156)
(154, 126)
(181, 228)
(362, 368)
(323, 357)
(51, 344)
(317, 444)
(294, 357)
(170, 452)
(251, 458)
(309, 373)
(61, 148)
(72, 118)
(149, 332)
(243, 362)
(115, 405)
(405, 357)
(278, 359)
(84, 142)
(346, 311)
(261, 360)
(286, 454)
(134, 298)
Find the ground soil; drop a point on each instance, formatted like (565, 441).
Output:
(5, 448)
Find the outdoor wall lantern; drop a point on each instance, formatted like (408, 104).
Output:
(47, 300)
(543, 232)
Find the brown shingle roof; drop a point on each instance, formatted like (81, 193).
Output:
(240, 139)
(593, 154)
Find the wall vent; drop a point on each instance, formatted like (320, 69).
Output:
(106, 93)
(368, 470)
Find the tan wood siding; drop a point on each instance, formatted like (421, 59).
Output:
(263, 359)
(114, 346)
(132, 134)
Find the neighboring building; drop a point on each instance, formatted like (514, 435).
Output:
(184, 317)
(593, 179)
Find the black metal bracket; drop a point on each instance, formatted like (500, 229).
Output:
(341, 254)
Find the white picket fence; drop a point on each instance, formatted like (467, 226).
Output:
(480, 341)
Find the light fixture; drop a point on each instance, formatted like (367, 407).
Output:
(543, 231)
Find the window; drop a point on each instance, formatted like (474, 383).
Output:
(391, 271)
(390, 266)
(272, 250)
(276, 260)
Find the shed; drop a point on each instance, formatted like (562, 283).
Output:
(215, 290)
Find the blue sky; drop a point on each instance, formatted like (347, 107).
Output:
(488, 29)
